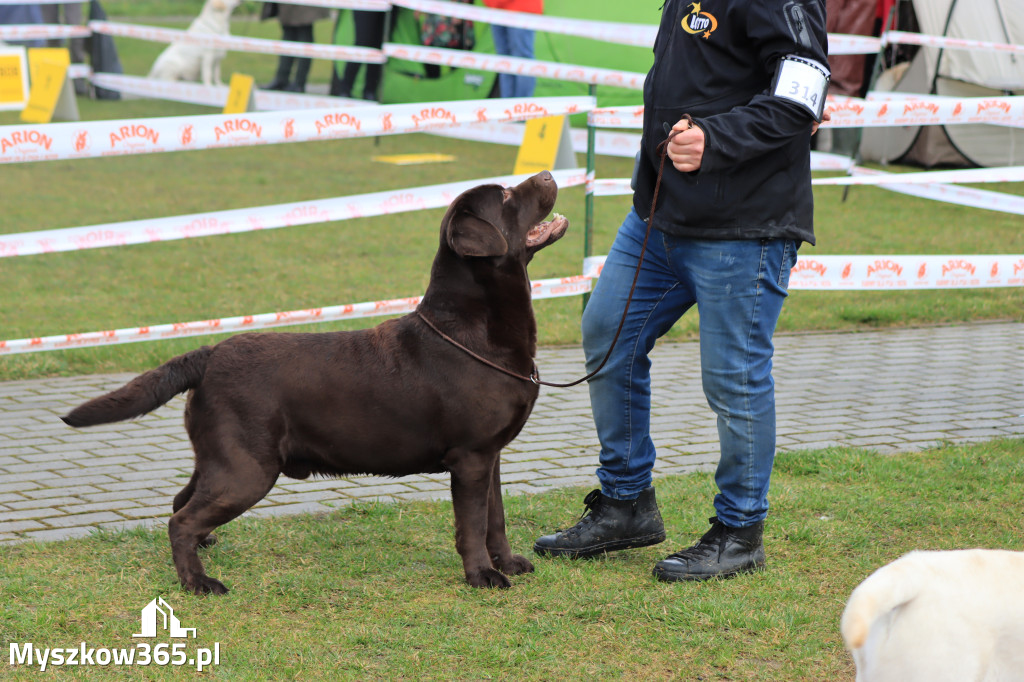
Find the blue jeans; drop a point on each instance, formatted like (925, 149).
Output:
(738, 287)
(514, 42)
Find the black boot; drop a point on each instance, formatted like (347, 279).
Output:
(722, 552)
(607, 525)
(283, 75)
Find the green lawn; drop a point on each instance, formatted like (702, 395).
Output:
(374, 258)
(376, 591)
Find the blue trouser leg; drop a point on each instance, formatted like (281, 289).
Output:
(738, 287)
(514, 42)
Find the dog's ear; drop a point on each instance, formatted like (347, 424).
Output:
(470, 235)
(219, 5)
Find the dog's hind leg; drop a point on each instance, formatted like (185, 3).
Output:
(220, 493)
(497, 540)
(182, 498)
(471, 480)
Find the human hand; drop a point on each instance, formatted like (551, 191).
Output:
(826, 116)
(686, 149)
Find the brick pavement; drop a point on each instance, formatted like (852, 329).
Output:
(891, 391)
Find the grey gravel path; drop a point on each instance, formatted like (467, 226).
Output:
(891, 391)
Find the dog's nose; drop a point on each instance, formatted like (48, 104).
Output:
(545, 176)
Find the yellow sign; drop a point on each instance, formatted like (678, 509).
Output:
(412, 159)
(13, 78)
(240, 96)
(547, 145)
(51, 95)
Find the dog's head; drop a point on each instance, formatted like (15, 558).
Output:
(225, 6)
(491, 221)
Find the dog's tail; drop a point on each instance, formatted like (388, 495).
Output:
(884, 591)
(144, 393)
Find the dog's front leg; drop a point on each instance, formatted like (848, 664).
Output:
(206, 69)
(471, 481)
(497, 540)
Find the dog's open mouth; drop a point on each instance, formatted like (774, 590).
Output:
(547, 231)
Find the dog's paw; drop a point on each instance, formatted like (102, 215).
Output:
(204, 584)
(487, 577)
(209, 541)
(516, 564)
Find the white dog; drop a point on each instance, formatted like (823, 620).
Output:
(181, 62)
(936, 616)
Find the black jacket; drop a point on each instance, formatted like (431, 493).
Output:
(755, 178)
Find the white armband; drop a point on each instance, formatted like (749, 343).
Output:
(803, 81)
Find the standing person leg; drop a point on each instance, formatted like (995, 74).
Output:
(502, 45)
(521, 45)
(370, 33)
(624, 512)
(302, 34)
(51, 16)
(284, 65)
(740, 287)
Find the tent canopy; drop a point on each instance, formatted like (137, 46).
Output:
(956, 73)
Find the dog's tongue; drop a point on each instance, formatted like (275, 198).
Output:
(543, 231)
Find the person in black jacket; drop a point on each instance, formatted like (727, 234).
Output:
(740, 86)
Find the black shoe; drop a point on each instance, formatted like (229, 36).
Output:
(722, 552)
(275, 85)
(607, 525)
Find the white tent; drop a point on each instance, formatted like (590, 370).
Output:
(956, 73)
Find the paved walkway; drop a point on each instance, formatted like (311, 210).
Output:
(887, 390)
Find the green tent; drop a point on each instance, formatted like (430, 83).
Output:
(404, 81)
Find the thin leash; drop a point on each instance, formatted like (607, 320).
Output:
(534, 376)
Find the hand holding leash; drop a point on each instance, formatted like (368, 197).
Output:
(686, 145)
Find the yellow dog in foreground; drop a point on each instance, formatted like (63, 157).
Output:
(936, 616)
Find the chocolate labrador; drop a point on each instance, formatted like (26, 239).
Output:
(394, 400)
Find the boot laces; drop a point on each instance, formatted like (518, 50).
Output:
(709, 544)
(591, 512)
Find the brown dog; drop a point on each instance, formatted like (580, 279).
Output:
(394, 400)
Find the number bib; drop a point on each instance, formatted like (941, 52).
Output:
(803, 81)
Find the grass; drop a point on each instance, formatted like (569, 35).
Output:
(384, 257)
(376, 591)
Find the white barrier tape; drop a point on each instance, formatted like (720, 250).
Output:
(546, 288)
(836, 273)
(41, 31)
(823, 161)
(879, 96)
(366, 5)
(857, 113)
(820, 161)
(75, 140)
(617, 117)
(641, 35)
(623, 145)
(217, 95)
(842, 43)
(954, 194)
(852, 112)
(257, 218)
(884, 273)
(969, 175)
(79, 71)
(888, 273)
(465, 59)
(904, 38)
(240, 44)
